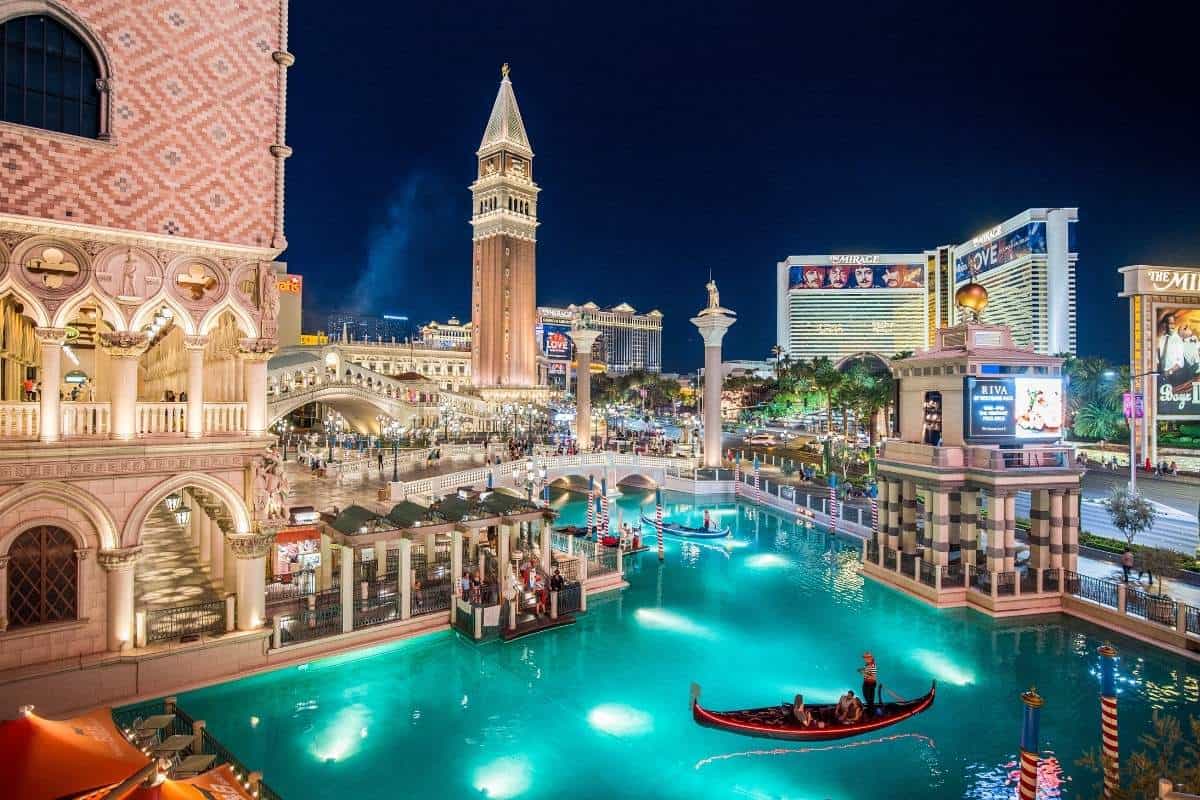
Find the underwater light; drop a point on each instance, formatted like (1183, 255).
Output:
(504, 777)
(766, 561)
(670, 621)
(942, 668)
(620, 720)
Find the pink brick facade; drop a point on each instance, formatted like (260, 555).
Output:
(195, 108)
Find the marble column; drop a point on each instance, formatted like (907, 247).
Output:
(881, 501)
(124, 349)
(1039, 528)
(1056, 527)
(250, 550)
(456, 559)
(712, 323)
(406, 579)
(968, 525)
(217, 551)
(206, 533)
(119, 566)
(1010, 532)
(908, 517)
(50, 417)
(502, 542)
(543, 533)
(1071, 530)
(254, 355)
(194, 347)
(893, 515)
(995, 531)
(938, 535)
(584, 340)
(346, 588)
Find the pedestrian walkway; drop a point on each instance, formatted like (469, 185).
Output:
(169, 573)
(1176, 590)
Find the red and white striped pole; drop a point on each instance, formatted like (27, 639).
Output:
(1029, 745)
(833, 504)
(757, 487)
(658, 521)
(591, 504)
(604, 506)
(737, 472)
(1109, 746)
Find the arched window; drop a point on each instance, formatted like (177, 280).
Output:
(49, 77)
(43, 577)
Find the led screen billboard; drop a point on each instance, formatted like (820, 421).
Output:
(1012, 409)
(839, 276)
(1177, 359)
(1026, 240)
(556, 344)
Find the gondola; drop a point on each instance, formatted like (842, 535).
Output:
(777, 722)
(687, 532)
(573, 530)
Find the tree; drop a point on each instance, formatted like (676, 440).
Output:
(1160, 563)
(1131, 513)
(868, 394)
(1100, 419)
(826, 378)
(1168, 753)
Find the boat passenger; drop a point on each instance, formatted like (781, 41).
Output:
(802, 714)
(855, 712)
(843, 706)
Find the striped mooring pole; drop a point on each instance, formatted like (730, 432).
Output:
(874, 494)
(1109, 749)
(658, 521)
(1029, 745)
(591, 497)
(757, 487)
(737, 471)
(833, 506)
(604, 505)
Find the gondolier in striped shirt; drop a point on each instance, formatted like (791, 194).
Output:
(870, 676)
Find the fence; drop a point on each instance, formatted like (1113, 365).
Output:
(300, 584)
(570, 598)
(167, 624)
(953, 576)
(431, 600)
(1086, 587)
(1006, 583)
(605, 563)
(381, 603)
(321, 616)
(928, 575)
(1150, 607)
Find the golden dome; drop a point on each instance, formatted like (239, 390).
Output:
(972, 297)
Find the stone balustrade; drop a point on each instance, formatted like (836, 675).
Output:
(224, 417)
(21, 421)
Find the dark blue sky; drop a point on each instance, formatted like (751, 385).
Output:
(671, 138)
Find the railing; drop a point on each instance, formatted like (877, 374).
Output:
(908, 565)
(86, 419)
(1192, 620)
(1051, 579)
(167, 624)
(569, 570)
(154, 418)
(873, 551)
(570, 598)
(300, 584)
(1086, 587)
(1150, 607)
(979, 579)
(431, 600)
(1006, 583)
(889, 558)
(1027, 580)
(953, 576)
(224, 417)
(20, 420)
(322, 616)
(996, 459)
(928, 575)
(381, 604)
(606, 561)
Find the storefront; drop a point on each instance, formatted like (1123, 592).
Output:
(297, 550)
(1164, 350)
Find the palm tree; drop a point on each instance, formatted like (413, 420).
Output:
(826, 378)
(1102, 418)
(872, 394)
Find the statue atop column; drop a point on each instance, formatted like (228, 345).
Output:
(714, 306)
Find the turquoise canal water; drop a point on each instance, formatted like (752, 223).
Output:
(600, 709)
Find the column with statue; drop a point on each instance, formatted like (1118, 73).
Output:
(713, 322)
(269, 489)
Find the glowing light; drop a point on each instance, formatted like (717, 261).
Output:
(670, 621)
(254, 722)
(766, 561)
(942, 668)
(620, 720)
(505, 777)
(730, 544)
(343, 737)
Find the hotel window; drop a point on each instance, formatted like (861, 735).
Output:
(43, 577)
(51, 79)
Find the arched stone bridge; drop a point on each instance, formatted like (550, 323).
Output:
(614, 467)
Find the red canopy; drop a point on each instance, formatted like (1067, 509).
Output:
(49, 759)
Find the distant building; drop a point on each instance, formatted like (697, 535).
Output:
(448, 335)
(365, 326)
(291, 301)
(743, 368)
(628, 341)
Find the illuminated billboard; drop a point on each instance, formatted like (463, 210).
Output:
(1008, 410)
(989, 253)
(856, 276)
(1177, 359)
(556, 344)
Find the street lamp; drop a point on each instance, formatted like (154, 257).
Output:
(1130, 421)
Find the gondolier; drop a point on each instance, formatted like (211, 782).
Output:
(870, 673)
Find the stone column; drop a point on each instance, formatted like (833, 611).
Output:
(502, 542)
(217, 551)
(968, 525)
(194, 347)
(250, 550)
(406, 578)
(584, 339)
(1056, 528)
(712, 323)
(206, 534)
(1010, 532)
(881, 501)
(326, 570)
(4, 593)
(893, 515)
(194, 523)
(124, 349)
(346, 587)
(939, 523)
(955, 517)
(543, 532)
(908, 516)
(1071, 530)
(456, 559)
(254, 354)
(119, 566)
(995, 531)
(1039, 528)
(50, 417)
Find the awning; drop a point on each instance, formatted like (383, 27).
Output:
(220, 782)
(50, 759)
(297, 535)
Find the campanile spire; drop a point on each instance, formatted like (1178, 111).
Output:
(504, 222)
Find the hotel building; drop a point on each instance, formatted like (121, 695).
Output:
(628, 341)
(838, 305)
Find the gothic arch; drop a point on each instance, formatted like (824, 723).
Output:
(150, 307)
(132, 534)
(33, 309)
(246, 322)
(112, 313)
(70, 497)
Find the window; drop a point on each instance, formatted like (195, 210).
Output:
(43, 577)
(49, 77)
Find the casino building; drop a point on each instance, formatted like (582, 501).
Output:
(838, 305)
(628, 341)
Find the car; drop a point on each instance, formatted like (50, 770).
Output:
(761, 438)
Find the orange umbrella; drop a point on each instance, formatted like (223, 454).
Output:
(219, 782)
(45, 758)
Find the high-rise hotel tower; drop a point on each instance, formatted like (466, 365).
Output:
(504, 278)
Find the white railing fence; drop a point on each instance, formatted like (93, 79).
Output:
(161, 418)
(224, 417)
(19, 420)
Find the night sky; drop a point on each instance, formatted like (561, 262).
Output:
(672, 138)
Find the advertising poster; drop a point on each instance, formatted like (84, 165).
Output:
(1025, 240)
(556, 344)
(1013, 409)
(840, 276)
(1177, 359)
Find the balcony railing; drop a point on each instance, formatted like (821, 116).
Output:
(953, 576)
(224, 417)
(153, 418)
(86, 419)
(89, 419)
(168, 624)
(1086, 587)
(19, 420)
(1028, 457)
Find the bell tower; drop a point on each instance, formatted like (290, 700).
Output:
(504, 222)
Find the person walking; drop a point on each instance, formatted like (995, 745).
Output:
(1126, 562)
(870, 673)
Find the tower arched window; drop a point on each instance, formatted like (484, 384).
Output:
(43, 577)
(50, 77)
